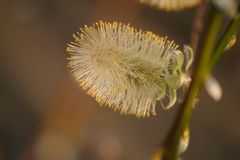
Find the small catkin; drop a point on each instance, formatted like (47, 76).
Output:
(127, 69)
(171, 5)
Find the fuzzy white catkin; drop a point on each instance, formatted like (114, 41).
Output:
(127, 69)
(171, 5)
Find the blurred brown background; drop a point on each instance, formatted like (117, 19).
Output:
(44, 115)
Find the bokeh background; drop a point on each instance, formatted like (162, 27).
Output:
(44, 115)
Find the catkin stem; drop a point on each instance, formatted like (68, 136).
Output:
(186, 109)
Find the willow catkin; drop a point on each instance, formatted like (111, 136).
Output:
(171, 5)
(127, 69)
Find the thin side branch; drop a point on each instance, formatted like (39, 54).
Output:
(230, 31)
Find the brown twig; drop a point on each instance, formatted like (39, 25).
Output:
(198, 25)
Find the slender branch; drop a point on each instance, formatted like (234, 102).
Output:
(198, 26)
(185, 111)
(230, 31)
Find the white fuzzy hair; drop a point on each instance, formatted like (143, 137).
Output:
(127, 69)
(171, 5)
